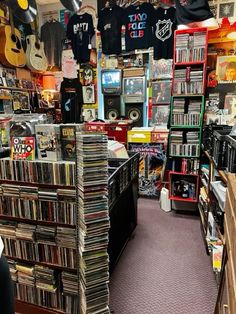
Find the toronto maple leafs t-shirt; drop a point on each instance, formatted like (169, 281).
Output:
(138, 25)
(188, 11)
(80, 31)
(109, 25)
(164, 25)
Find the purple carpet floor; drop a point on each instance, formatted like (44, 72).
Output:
(164, 268)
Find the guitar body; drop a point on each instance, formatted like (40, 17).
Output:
(11, 51)
(35, 55)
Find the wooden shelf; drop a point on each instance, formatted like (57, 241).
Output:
(18, 89)
(25, 308)
(21, 260)
(223, 176)
(36, 222)
(39, 185)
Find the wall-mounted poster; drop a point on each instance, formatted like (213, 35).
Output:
(152, 156)
(226, 9)
(88, 94)
(226, 69)
(161, 92)
(160, 115)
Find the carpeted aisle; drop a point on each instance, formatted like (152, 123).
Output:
(164, 268)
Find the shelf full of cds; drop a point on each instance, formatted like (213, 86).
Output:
(187, 112)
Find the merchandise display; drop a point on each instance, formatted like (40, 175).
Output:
(100, 103)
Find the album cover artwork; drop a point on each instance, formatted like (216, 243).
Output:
(89, 114)
(20, 101)
(88, 94)
(23, 148)
(160, 115)
(161, 92)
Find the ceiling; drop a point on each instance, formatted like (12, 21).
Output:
(42, 2)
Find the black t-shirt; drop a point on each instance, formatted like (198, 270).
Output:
(109, 25)
(164, 25)
(71, 100)
(138, 24)
(188, 11)
(80, 31)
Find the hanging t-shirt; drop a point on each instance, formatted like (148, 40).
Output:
(53, 34)
(164, 25)
(71, 100)
(138, 24)
(109, 25)
(188, 11)
(80, 31)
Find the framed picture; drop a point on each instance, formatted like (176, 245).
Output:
(89, 114)
(226, 9)
(160, 115)
(87, 75)
(161, 92)
(161, 69)
(226, 68)
(88, 94)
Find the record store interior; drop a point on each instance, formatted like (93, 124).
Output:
(117, 157)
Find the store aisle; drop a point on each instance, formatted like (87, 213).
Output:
(164, 268)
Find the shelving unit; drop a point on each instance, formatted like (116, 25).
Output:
(187, 112)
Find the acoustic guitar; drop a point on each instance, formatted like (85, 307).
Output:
(11, 51)
(35, 56)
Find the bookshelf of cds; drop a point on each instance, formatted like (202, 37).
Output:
(54, 225)
(187, 112)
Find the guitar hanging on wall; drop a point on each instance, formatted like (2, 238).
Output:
(35, 56)
(11, 51)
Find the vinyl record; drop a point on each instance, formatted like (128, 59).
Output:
(134, 114)
(72, 5)
(24, 10)
(112, 114)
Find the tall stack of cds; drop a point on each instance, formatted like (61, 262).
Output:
(93, 222)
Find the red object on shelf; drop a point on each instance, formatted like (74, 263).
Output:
(159, 136)
(116, 130)
(182, 175)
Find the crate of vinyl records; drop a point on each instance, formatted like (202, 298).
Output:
(122, 166)
(208, 138)
(231, 153)
(113, 185)
(220, 148)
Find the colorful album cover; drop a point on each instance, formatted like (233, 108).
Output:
(48, 142)
(161, 92)
(68, 142)
(20, 101)
(226, 69)
(161, 69)
(23, 148)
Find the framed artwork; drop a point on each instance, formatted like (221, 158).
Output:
(89, 114)
(87, 75)
(88, 94)
(226, 9)
(161, 92)
(226, 68)
(160, 115)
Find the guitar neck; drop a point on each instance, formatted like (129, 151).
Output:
(11, 22)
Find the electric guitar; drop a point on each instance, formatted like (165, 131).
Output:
(11, 51)
(35, 56)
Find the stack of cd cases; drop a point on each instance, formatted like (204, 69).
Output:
(93, 222)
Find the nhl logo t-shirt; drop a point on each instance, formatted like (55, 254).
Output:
(138, 25)
(188, 11)
(164, 25)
